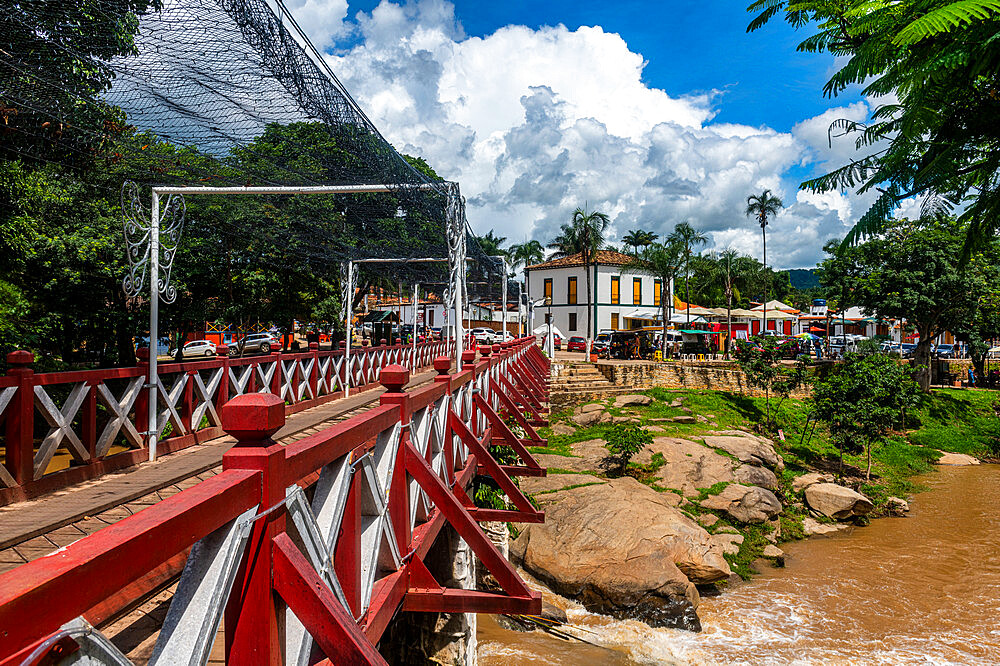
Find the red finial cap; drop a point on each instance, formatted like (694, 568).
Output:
(394, 378)
(253, 417)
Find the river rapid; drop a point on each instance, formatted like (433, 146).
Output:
(924, 589)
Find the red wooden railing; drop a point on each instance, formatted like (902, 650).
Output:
(312, 545)
(103, 415)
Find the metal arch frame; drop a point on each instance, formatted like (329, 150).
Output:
(422, 260)
(137, 255)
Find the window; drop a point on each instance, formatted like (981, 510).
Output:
(571, 291)
(430, 317)
(637, 291)
(548, 290)
(614, 321)
(572, 318)
(657, 292)
(615, 291)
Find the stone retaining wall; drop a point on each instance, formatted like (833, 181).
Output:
(720, 376)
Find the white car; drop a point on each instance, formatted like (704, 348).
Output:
(199, 348)
(484, 336)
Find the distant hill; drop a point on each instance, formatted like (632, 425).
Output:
(803, 278)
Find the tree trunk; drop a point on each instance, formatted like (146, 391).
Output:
(922, 359)
(687, 287)
(763, 325)
(729, 324)
(586, 270)
(868, 471)
(663, 340)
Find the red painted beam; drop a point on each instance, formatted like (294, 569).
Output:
(58, 587)
(315, 605)
(446, 600)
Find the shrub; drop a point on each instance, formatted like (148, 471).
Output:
(625, 440)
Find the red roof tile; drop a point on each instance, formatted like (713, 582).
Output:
(606, 257)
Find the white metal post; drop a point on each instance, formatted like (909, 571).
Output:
(413, 358)
(503, 314)
(348, 316)
(154, 321)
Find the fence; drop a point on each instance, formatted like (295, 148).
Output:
(102, 422)
(364, 499)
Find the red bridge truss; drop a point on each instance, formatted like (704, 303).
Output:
(308, 550)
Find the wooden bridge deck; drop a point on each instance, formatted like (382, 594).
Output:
(31, 529)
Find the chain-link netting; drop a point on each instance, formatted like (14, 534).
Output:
(222, 93)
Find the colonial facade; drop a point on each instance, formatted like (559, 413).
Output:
(619, 299)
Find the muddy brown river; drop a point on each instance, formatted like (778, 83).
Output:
(924, 589)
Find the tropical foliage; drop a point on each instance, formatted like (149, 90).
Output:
(932, 65)
(760, 361)
(862, 399)
(583, 235)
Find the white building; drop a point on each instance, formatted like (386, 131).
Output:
(619, 299)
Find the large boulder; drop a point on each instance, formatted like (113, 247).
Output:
(730, 543)
(563, 429)
(587, 419)
(800, 483)
(837, 502)
(750, 450)
(532, 485)
(813, 527)
(589, 535)
(957, 459)
(747, 504)
(587, 456)
(757, 476)
(688, 465)
(635, 399)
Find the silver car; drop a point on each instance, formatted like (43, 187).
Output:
(199, 348)
(254, 343)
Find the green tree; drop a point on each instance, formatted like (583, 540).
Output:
(637, 238)
(762, 207)
(933, 64)
(913, 272)
(861, 399)
(760, 360)
(689, 238)
(662, 261)
(624, 441)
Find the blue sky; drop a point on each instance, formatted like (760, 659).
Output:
(689, 46)
(653, 112)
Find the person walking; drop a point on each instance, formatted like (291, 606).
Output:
(972, 377)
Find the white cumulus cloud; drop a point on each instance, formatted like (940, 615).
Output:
(534, 123)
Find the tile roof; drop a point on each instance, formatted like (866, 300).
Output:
(605, 257)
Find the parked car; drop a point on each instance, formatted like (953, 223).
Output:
(484, 336)
(199, 348)
(600, 346)
(255, 343)
(945, 351)
(907, 349)
(577, 343)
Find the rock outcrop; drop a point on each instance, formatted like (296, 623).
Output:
(757, 476)
(800, 483)
(957, 459)
(837, 502)
(897, 506)
(635, 399)
(747, 449)
(590, 532)
(747, 504)
(813, 527)
(688, 465)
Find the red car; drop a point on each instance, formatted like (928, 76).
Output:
(577, 343)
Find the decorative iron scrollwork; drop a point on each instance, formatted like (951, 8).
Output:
(138, 239)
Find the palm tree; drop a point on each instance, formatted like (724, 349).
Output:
(687, 236)
(639, 238)
(526, 254)
(584, 235)
(633, 238)
(761, 207)
(662, 261)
